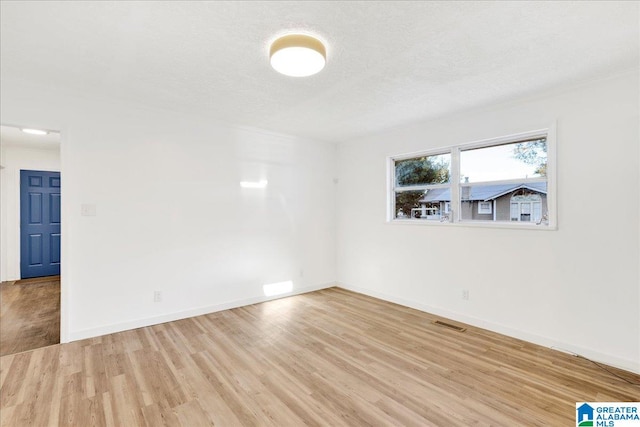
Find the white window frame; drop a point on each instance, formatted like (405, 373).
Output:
(394, 188)
(550, 221)
(485, 211)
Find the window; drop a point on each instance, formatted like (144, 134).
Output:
(502, 182)
(498, 173)
(416, 179)
(484, 208)
(526, 207)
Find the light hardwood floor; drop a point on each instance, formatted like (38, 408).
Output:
(29, 314)
(330, 357)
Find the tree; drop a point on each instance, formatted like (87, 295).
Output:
(421, 171)
(533, 153)
(418, 171)
(408, 200)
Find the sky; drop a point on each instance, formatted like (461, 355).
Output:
(493, 163)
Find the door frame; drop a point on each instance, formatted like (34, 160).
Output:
(13, 265)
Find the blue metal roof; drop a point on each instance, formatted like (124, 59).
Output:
(482, 192)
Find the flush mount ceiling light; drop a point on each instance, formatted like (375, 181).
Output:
(297, 55)
(35, 131)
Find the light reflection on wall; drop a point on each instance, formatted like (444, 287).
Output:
(254, 184)
(277, 288)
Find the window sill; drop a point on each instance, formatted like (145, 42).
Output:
(475, 224)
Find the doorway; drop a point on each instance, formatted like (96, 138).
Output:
(30, 223)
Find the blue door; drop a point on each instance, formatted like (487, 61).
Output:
(39, 223)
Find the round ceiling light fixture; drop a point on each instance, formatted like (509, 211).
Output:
(297, 55)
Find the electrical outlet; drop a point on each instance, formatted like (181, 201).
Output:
(465, 294)
(157, 296)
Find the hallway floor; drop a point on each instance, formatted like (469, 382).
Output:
(29, 314)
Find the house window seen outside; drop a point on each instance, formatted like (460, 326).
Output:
(526, 207)
(484, 208)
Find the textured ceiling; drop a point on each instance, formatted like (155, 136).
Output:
(389, 63)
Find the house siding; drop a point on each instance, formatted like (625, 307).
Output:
(469, 210)
(503, 208)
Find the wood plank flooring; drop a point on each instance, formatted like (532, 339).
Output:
(29, 314)
(330, 357)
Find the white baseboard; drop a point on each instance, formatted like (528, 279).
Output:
(140, 323)
(626, 364)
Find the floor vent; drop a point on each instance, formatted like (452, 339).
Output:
(450, 326)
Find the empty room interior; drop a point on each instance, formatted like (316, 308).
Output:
(319, 213)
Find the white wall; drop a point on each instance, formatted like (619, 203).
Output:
(576, 288)
(13, 159)
(171, 215)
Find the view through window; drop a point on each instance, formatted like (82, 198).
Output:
(498, 181)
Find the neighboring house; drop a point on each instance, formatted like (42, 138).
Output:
(499, 202)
